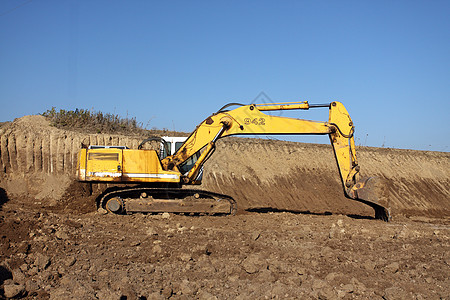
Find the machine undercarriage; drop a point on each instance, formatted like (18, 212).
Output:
(129, 200)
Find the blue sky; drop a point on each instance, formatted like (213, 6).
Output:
(172, 63)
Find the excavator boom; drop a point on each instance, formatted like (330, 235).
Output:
(250, 120)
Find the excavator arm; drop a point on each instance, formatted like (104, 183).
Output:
(251, 120)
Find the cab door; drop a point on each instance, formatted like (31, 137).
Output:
(104, 164)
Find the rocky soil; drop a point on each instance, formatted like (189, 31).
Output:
(59, 255)
(295, 236)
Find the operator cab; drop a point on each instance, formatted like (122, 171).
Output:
(173, 144)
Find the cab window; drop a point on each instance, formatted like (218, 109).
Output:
(187, 165)
(178, 145)
(163, 150)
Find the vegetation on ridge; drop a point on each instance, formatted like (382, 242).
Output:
(98, 122)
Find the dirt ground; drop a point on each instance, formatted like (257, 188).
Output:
(61, 254)
(295, 236)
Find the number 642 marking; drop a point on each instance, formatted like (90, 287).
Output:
(255, 121)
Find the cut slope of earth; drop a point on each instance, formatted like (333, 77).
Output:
(38, 161)
(289, 241)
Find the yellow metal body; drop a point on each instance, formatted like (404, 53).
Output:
(250, 120)
(123, 165)
(283, 106)
(128, 165)
(185, 166)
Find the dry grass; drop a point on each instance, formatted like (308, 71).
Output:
(97, 122)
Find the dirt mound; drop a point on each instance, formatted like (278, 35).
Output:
(78, 198)
(304, 177)
(290, 242)
(38, 162)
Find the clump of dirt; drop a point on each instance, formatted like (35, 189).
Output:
(4, 123)
(34, 122)
(78, 199)
(14, 237)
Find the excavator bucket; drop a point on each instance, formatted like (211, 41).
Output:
(372, 191)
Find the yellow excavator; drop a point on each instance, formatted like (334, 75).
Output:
(158, 182)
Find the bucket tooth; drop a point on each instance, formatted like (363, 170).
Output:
(372, 191)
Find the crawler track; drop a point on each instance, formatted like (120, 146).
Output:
(155, 200)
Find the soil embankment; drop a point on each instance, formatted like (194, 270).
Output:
(38, 161)
(54, 244)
